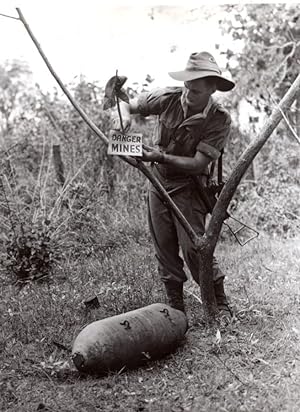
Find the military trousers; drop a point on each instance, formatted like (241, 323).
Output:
(169, 236)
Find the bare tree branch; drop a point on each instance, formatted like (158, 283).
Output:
(287, 121)
(9, 17)
(219, 212)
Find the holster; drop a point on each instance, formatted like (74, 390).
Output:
(209, 193)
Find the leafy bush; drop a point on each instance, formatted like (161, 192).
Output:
(31, 253)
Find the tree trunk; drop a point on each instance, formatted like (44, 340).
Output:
(297, 117)
(205, 256)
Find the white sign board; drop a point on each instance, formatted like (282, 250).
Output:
(125, 144)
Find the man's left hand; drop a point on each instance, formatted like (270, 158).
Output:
(152, 155)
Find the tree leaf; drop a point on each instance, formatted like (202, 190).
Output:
(109, 102)
(113, 88)
(122, 95)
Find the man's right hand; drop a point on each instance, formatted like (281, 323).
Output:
(116, 123)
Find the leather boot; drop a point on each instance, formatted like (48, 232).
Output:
(221, 298)
(175, 295)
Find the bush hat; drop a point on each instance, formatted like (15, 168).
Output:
(201, 65)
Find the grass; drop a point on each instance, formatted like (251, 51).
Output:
(253, 365)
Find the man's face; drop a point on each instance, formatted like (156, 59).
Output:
(198, 91)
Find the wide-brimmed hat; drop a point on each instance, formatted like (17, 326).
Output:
(201, 65)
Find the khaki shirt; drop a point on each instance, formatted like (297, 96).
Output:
(206, 132)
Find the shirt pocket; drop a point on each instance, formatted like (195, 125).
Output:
(165, 133)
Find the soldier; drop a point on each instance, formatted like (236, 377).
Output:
(192, 131)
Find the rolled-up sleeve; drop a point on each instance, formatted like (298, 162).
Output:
(216, 135)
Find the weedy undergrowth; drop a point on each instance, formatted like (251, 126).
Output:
(30, 215)
(29, 250)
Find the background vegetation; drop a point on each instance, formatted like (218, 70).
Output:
(73, 223)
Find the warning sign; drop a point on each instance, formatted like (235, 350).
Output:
(125, 144)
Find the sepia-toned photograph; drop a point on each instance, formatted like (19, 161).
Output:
(149, 206)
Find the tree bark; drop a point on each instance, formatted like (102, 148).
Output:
(205, 256)
(298, 114)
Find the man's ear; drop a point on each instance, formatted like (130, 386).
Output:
(214, 88)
